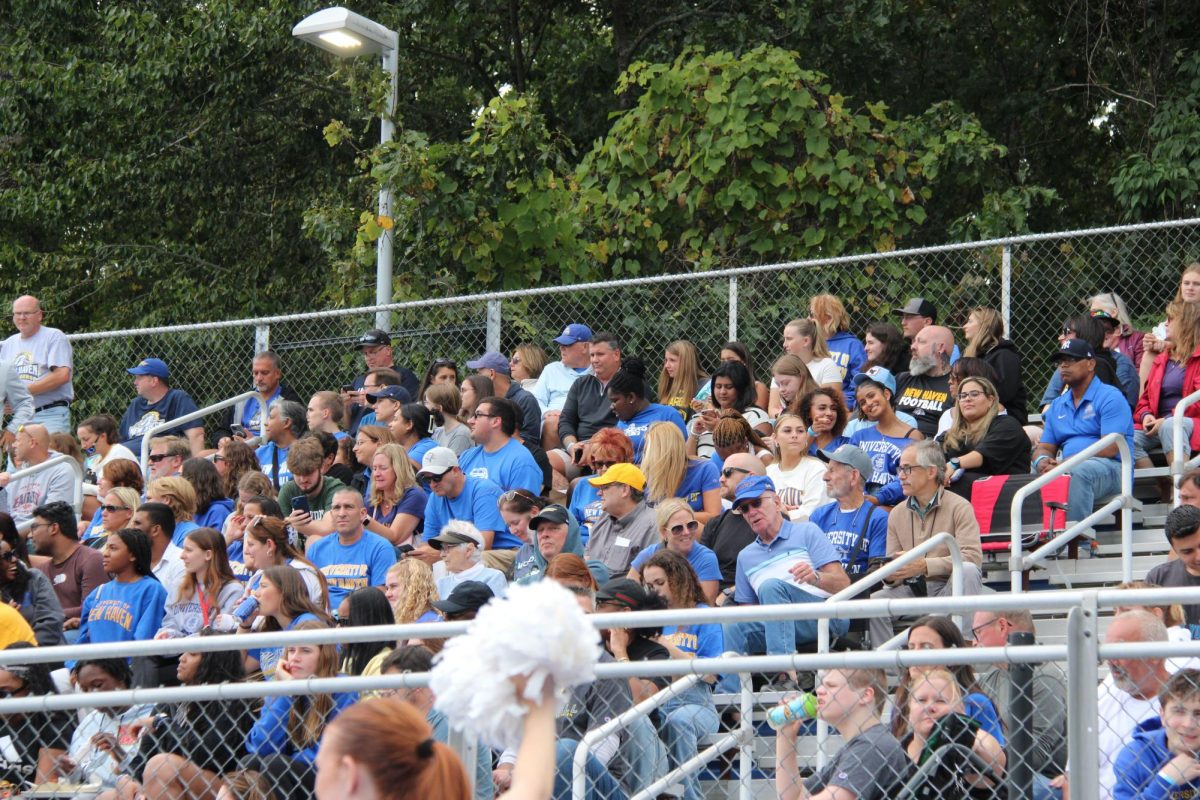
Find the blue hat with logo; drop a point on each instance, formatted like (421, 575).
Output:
(752, 487)
(573, 334)
(880, 375)
(397, 393)
(150, 366)
(490, 360)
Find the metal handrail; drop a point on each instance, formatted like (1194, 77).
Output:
(1019, 562)
(76, 493)
(175, 423)
(1178, 464)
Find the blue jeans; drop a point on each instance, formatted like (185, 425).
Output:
(1096, 477)
(775, 638)
(56, 420)
(600, 784)
(685, 723)
(1164, 440)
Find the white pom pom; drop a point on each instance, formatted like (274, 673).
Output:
(538, 632)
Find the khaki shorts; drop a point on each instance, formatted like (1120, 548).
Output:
(502, 560)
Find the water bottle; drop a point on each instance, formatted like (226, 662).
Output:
(801, 707)
(246, 609)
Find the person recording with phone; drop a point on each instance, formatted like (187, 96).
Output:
(308, 496)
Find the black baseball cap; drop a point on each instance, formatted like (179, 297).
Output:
(623, 591)
(920, 307)
(1073, 348)
(467, 596)
(374, 338)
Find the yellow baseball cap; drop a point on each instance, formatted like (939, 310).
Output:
(627, 474)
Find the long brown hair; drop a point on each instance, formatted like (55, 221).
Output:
(239, 459)
(683, 387)
(218, 572)
(310, 715)
(393, 743)
(274, 530)
(962, 432)
(1185, 329)
(989, 334)
(681, 577)
(294, 599)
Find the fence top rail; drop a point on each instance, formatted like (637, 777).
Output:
(689, 276)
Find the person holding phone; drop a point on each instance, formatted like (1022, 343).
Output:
(244, 420)
(308, 496)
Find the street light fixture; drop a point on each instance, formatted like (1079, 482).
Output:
(344, 33)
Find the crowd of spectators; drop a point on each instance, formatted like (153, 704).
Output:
(398, 499)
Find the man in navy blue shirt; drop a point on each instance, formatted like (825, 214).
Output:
(156, 402)
(788, 562)
(376, 348)
(1078, 418)
(495, 366)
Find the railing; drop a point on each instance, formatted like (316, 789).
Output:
(76, 492)
(1018, 562)
(198, 414)
(1179, 464)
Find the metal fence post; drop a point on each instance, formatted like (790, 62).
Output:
(746, 755)
(1006, 288)
(733, 308)
(1082, 697)
(467, 749)
(493, 326)
(262, 338)
(1020, 721)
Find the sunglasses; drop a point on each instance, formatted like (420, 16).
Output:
(7, 693)
(690, 527)
(112, 509)
(603, 465)
(9, 556)
(217, 458)
(728, 471)
(154, 459)
(340, 621)
(749, 505)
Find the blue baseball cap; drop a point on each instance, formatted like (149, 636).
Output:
(150, 366)
(397, 393)
(490, 360)
(573, 334)
(752, 487)
(880, 375)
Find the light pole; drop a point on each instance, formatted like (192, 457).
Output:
(344, 33)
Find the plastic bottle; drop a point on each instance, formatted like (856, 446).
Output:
(801, 707)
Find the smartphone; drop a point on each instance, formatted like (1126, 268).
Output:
(238, 430)
(577, 455)
(301, 504)
(348, 387)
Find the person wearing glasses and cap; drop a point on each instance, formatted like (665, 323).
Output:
(788, 562)
(855, 526)
(727, 534)
(558, 376)
(461, 547)
(156, 402)
(627, 525)
(454, 495)
(376, 348)
(496, 367)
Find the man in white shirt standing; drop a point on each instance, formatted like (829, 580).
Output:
(43, 360)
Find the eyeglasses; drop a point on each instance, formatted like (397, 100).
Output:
(340, 621)
(23, 314)
(728, 471)
(8, 556)
(603, 465)
(690, 527)
(515, 360)
(907, 469)
(217, 458)
(479, 414)
(975, 631)
(154, 459)
(971, 395)
(37, 525)
(113, 509)
(431, 478)
(748, 505)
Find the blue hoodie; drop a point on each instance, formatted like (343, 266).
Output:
(1137, 766)
(269, 735)
(849, 355)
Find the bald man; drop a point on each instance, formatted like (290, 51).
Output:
(924, 391)
(20, 496)
(727, 533)
(43, 361)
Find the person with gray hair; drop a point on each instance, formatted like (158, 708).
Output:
(287, 421)
(855, 526)
(461, 545)
(1183, 534)
(928, 510)
(244, 419)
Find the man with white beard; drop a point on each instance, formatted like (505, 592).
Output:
(924, 391)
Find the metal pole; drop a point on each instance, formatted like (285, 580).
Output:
(494, 322)
(1020, 721)
(1006, 287)
(746, 756)
(733, 308)
(1082, 697)
(262, 338)
(383, 252)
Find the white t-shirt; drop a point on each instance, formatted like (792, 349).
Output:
(1117, 714)
(802, 486)
(825, 370)
(34, 357)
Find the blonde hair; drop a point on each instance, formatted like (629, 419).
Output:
(1173, 615)
(779, 451)
(397, 456)
(664, 512)
(664, 461)
(128, 497)
(176, 493)
(420, 592)
(806, 327)
(305, 725)
(533, 358)
(683, 387)
(1191, 269)
(1185, 332)
(794, 366)
(991, 331)
(830, 314)
(961, 432)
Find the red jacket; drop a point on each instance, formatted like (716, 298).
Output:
(1148, 403)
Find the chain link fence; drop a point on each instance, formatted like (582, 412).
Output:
(1036, 281)
(938, 719)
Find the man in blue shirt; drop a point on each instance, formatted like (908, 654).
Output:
(495, 366)
(286, 422)
(854, 526)
(354, 558)
(1078, 418)
(497, 456)
(788, 562)
(156, 402)
(455, 495)
(266, 373)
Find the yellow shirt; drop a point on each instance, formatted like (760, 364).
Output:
(13, 627)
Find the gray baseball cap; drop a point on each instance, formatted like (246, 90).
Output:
(851, 456)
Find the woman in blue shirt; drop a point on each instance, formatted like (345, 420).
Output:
(679, 530)
(635, 413)
(130, 606)
(670, 473)
(283, 605)
(396, 507)
(887, 438)
(413, 426)
(690, 715)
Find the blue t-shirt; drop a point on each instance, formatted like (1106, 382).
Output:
(981, 709)
(702, 475)
(834, 443)
(122, 612)
(418, 450)
(214, 516)
(237, 561)
(636, 427)
(849, 355)
(702, 559)
(843, 528)
(269, 455)
(477, 504)
(268, 657)
(510, 467)
(252, 410)
(795, 541)
(141, 416)
(702, 641)
(585, 505)
(1102, 411)
(350, 567)
(182, 529)
(412, 502)
(885, 456)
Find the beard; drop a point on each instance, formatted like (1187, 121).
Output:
(922, 365)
